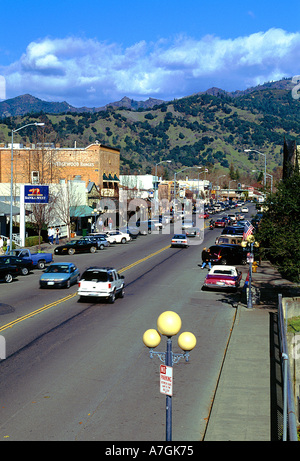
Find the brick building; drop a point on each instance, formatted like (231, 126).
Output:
(47, 165)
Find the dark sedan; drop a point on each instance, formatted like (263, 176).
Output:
(76, 246)
(8, 272)
(25, 265)
(228, 254)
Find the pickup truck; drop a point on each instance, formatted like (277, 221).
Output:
(39, 260)
(101, 282)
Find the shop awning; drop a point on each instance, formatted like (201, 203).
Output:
(5, 209)
(81, 211)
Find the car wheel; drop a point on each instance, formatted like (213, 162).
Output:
(122, 293)
(41, 265)
(8, 278)
(112, 298)
(93, 249)
(101, 247)
(25, 271)
(244, 262)
(223, 261)
(71, 251)
(123, 240)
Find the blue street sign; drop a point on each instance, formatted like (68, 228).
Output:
(36, 194)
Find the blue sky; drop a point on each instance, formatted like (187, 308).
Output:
(91, 53)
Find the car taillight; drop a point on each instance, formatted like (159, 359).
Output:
(109, 285)
(79, 284)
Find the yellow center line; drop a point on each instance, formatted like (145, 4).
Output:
(67, 298)
(143, 259)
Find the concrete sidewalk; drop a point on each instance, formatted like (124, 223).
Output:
(242, 407)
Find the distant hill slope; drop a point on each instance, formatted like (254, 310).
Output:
(27, 104)
(211, 128)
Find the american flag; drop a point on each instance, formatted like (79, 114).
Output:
(248, 229)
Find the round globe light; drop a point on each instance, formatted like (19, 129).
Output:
(187, 341)
(250, 238)
(151, 338)
(169, 323)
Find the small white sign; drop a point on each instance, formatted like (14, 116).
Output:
(166, 380)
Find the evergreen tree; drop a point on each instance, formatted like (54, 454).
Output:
(279, 230)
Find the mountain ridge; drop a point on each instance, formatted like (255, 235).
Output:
(28, 104)
(211, 129)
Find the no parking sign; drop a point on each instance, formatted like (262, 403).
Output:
(166, 380)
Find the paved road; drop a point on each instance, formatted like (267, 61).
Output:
(83, 372)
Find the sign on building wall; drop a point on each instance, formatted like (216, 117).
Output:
(36, 194)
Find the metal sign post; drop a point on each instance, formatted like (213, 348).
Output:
(169, 324)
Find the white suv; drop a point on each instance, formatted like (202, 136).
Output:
(101, 282)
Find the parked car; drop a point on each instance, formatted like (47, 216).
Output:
(146, 227)
(101, 282)
(118, 237)
(220, 222)
(233, 230)
(179, 240)
(228, 254)
(133, 231)
(100, 241)
(39, 260)
(8, 272)
(157, 223)
(60, 275)
(245, 209)
(223, 277)
(231, 239)
(76, 246)
(25, 265)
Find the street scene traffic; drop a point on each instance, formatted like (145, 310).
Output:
(149, 224)
(42, 330)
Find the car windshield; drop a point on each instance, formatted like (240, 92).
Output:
(58, 268)
(95, 276)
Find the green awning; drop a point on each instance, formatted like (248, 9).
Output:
(81, 211)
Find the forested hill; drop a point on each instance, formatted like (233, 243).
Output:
(211, 128)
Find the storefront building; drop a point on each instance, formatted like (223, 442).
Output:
(95, 163)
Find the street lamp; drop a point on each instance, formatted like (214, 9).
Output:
(200, 172)
(95, 213)
(11, 177)
(260, 153)
(156, 185)
(233, 180)
(169, 324)
(222, 175)
(250, 241)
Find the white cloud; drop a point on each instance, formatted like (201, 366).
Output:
(89, 72)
